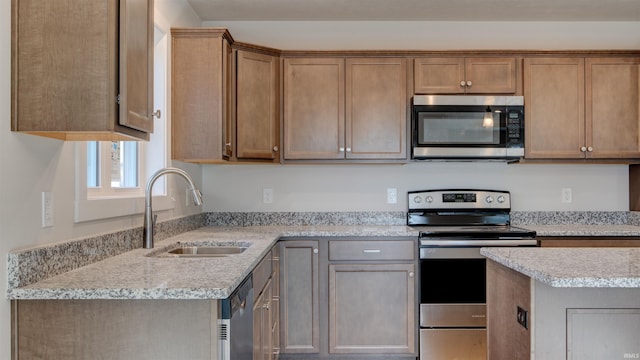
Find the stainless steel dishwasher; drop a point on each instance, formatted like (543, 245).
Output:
(236, 323)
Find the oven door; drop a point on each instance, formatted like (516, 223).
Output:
(452, 303)
(452, 287)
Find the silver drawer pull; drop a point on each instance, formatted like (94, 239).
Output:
(371, 251)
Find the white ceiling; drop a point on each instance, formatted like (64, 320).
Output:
(417, 10)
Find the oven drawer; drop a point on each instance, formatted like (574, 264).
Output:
(372, 250)
(459, 344)
(453, 315)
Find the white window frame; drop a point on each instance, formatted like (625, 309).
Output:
(90, 206)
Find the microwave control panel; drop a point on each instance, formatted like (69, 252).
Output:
(515, 127)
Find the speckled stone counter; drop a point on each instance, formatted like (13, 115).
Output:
(573, 267)
(140, 274)
(585, 230)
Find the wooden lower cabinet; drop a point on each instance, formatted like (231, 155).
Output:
(348, 298)
(262, 313)
(299, 300)
(114, 329)
(506, 291)
(371, 308)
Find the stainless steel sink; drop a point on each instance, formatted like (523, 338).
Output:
(201, 249)
(184, 251)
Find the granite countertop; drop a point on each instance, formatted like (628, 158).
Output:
(573, 267)
(139, 274)
(584, 230)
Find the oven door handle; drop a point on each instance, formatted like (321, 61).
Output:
(478, 243)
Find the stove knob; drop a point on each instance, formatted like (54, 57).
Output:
(489, 199)
(429, 199)
(501, 199)
(417, 199)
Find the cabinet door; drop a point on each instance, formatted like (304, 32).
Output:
(67, 74)
(199, 94)
(376, 104)
(490, 75)
(257, 111)
(299, 307)
(554, 108)
(612, 107)
(371, 308)
(314, 108)
(438, 76)
(136, 64)
(262, 342)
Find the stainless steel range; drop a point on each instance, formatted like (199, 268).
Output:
(454, 225)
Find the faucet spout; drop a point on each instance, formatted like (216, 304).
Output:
(149, 221)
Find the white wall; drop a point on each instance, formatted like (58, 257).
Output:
(31, 164)
(363, 187)
(414, 35)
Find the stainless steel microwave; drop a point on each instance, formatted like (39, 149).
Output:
(467, 127)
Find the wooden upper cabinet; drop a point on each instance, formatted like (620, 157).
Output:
(200, 88)
(376, 108)
(554, 108)
(578, 108)
(337, 109)
(82, 75)
(257, 106)
(612, 107)
(457, 75)
(313, 108)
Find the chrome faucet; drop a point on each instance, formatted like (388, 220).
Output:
(149, 218)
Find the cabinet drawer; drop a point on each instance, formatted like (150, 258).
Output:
(371, 250)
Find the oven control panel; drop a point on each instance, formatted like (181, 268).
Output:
(459, 199)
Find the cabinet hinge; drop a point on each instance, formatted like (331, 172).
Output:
(118, 99)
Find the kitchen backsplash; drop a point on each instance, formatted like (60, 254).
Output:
(29, 265)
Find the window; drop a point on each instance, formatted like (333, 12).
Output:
(111, 175)
(114, 168)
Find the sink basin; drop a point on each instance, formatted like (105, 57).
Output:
(204, 251)
(201, 249)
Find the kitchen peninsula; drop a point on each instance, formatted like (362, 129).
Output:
(563, 303)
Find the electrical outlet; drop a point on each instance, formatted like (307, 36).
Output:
(566, 196)
(392, 196)
(267, 196)
(47, 209)
(522, 317)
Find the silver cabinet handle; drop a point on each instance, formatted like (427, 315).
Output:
(157, 114)
(371, 251)
(583, 149)
(469, 83)
(315, 251)
(341, 149)
(463, 83)
(275, 149)
(590, 149)
(411, 274)
(348, 149)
